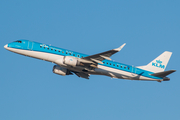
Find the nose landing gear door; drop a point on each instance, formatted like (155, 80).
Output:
(30, 45)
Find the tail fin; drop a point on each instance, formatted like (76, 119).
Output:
(159, 64)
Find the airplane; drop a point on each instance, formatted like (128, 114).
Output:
(69, 62)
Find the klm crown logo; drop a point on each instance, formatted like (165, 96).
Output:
(158, 64)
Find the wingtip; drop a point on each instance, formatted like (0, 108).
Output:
(119, 48)
(174, 70)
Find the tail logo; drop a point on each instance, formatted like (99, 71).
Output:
(158, 64)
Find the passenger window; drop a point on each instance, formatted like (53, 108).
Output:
(107, 62)
(51, 49)
(40, 46)
(78, 55)
(110, 63)
(69, 53)
(62, 51)
(113, 64)
(121, 66)
(48, 48)
(44, 47)
(117, 65)
(73, 54)
(55, 50)
(59, 51)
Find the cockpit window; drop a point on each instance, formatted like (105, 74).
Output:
(18, 41)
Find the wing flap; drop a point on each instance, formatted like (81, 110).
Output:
(83, 75)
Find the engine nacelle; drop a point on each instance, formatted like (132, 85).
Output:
(60, 70)
(72, 61)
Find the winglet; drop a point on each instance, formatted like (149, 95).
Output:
(118, 49)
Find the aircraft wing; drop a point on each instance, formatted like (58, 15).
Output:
(83, 75)
(98, 58)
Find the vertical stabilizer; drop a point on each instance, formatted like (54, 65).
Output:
(159, 64)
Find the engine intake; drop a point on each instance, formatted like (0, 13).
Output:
(61, 71)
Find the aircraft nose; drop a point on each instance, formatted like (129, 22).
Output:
(6, 46)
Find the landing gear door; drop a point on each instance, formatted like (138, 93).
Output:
(30, 45)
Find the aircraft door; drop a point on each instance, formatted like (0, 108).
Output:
(133, 71)
(30, 45)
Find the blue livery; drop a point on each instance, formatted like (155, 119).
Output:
(71, 62)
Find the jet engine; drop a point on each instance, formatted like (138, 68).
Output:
(72, 61)
(61, 71)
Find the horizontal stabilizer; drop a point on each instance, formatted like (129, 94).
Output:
(163, 74)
